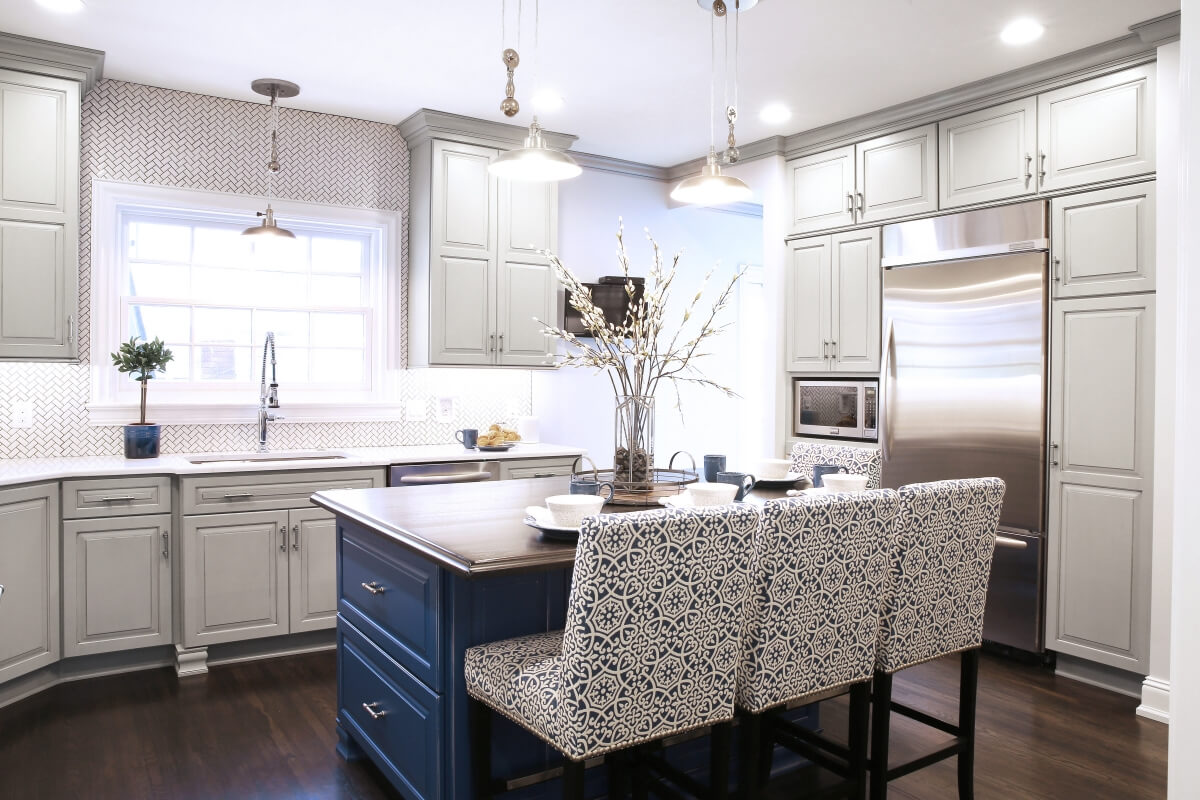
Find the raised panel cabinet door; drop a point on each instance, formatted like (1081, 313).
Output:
(822, 191)
(462, 330)
(1098, 130)
(1103, 241)
(807, 310)
(235, 577)
(116, 584)
(29, 602)
(312, 573)
(988, 155)
(1101, 428)
(528, 220)
(526, 293)
(896, 175)
(36, 293)
(39, 147)
(855, 297)
(463, 199)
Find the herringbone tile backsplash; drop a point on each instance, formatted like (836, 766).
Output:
(148, 135)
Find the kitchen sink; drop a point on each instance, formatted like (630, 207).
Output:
(265, 458)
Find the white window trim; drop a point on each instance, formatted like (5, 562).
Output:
(109, 197)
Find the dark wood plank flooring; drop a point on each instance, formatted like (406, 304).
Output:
(264, 729)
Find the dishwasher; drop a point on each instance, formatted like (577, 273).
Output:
(452, 472)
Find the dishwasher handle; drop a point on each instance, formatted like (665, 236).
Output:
(459, 477)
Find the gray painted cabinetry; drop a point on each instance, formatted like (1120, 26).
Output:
(29, 611)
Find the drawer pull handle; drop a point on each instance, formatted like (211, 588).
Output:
(370, 709)
(374, 588)
(237, 495)
(113, 498)
(166, 551)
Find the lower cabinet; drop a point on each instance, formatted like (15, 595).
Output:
(29, 610)
(116, 583)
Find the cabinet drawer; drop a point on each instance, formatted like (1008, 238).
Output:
(535, 468)
(394, 597)
(116, 497)
(394, 718)
(268, 491)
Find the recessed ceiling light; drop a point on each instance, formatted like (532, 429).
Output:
(62, 6)
(1021, 31)
(775, 113)
(547, 100)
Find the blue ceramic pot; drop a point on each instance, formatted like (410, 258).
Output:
(141, 441)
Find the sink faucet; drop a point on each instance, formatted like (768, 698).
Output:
(268, 396)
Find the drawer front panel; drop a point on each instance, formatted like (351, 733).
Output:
(394, 597)
(396, 719)
(272, 491)
(116, 497)
(535, 468)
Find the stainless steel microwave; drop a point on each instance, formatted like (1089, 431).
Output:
(835, 409)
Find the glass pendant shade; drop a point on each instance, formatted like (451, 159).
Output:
(711, 187)
(536, 161)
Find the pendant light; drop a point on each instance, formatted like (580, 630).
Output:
(712, 187)
(274, 89)
(536, 161)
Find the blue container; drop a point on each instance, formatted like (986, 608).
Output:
(141, 441)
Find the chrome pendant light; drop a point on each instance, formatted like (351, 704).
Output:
(274, 89)
(712, 187)
(536, 161)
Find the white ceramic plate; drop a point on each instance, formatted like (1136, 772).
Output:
(791, 478)
(539, 517)
(681, 500)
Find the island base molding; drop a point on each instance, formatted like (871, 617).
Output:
(1156, 700)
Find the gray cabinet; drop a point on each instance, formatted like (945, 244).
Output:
(822, 191)
(1103, 241)
(312, 570)
(535, 468)
(1099, 527)
(988, 155)
(116, 583)
(39, 216)
(29, 609)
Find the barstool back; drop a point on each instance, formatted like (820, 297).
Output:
(856, 460)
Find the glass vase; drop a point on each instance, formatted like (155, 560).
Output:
(633, 440)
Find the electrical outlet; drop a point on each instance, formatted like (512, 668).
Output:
(414, 411)
(20, 414)
(445, 409)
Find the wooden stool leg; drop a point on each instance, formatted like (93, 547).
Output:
(479, 727)
(641, 774)
(618, 774)
(572, 779)
(860, 723)
(750, 778)
(881, 720)
(967, 691)
(718, 760)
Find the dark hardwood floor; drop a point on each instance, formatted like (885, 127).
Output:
(264, 729)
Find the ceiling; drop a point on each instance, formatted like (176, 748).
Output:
(633, 73)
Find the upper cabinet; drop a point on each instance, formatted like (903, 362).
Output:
(1103, 241)
(822, 190)
(1098, 130)
(39, 216)
(988, 155)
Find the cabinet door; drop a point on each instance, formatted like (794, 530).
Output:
(1103, 241)
(807, 305)
(1098, 571)
(988, 155)
(463, 261)
(822, 187)
(235, 577)
(854, 301)
(116, 584)
(29, 574)
(897, 175)
(526, 289)
(35, 290)
(1097, 130)
(312, 573)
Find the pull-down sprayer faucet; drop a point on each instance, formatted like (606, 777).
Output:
(268, 396)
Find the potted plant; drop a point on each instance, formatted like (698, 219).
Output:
(142, 361)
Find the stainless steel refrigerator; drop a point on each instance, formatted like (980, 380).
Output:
(963, 382)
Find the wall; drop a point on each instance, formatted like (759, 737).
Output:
(576, 405)
(157, 136)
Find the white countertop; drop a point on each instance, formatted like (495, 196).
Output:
(30, 470)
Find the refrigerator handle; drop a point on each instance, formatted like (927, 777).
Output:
(885, 405)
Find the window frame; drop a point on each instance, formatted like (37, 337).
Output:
(114, 398)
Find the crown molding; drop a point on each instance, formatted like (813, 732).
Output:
(426, 124)
(50, 58)
(1158, 31)
(620, 166)
(762, 148)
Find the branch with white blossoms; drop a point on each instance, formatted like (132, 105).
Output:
(637, 353)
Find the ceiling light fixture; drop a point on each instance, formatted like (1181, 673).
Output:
(712, 187)
(274, 89)
(62, 6)
(775, 114)
(536, 161)
(1021, 31)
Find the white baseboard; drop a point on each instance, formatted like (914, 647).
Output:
(1156, 700)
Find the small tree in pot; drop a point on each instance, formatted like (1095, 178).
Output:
(142, 361)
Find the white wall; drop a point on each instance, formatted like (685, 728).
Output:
(576, 406)
(1184, 770)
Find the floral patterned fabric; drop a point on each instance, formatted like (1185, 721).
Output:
(856, 460)
(652, 638)
(813, 618)
(937, 585)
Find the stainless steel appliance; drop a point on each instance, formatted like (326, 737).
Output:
(963, 383)
(837, 409)
(451, 472)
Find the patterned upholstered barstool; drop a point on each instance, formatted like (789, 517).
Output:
(856, 460)
(650, 648)
(812, 626)
(933, 606)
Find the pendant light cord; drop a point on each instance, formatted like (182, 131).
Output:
(712, 81)
(273, 162)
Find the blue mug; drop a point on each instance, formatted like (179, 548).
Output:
(468, 437)
(821, 470)
(713, 465)
(741, 480)
(592, 486)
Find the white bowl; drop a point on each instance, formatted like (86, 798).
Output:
(568, 510)
(840, 482)
(772, 468)
(712, 494)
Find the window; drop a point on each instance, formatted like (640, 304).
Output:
(173, 264)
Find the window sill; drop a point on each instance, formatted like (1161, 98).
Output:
(241, 413)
